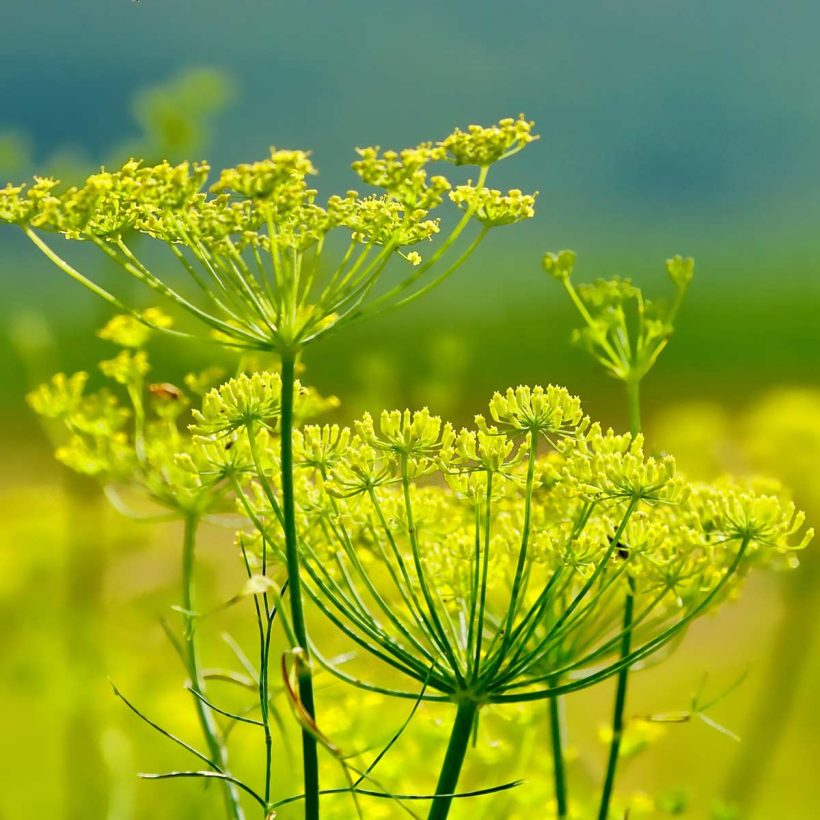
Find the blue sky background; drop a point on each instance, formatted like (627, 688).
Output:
(667, 127)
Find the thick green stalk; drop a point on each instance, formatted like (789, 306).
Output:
(557, 737)
(210, 731)
(310, 758)
(454, 759)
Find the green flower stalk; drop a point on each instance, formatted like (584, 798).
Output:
(489, 563)
(625, 333)
(272, 269)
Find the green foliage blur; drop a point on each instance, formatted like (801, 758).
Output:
(82, 589)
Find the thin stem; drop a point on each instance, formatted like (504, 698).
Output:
(204, 712)
(633, 385)
(633, 394)
(557, 737)
(309, 750)
(454, 759)
(632, 658)
(620, 705)
(432, 610)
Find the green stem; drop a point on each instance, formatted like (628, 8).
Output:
(633, 394)
(556, 733)
(633, 386)
(620, 705)
(309, 750)
(216, 748)
(454, 759)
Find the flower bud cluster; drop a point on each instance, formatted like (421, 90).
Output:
(492, 208)
(541, 411)
(252, 244)
(441, 522)
(254, 400)
(622, 329)
(483, 146)
(380, 220)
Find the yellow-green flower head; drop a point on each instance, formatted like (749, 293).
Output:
(646, 541)
(109, 203)
(254, 399)
(415, 435)
(213, 222)
(611, 466)
(60, 397)
(97, 414)
(540, 411)
(486, 450)
(605, 293)
(169, 481)
(299, 227)
(680, 270)
(441, 557)
(556, 545)
(14, 208)
(731, 512)
(157, 186)
(128, 331)
(216, 459)
(402, 174)
(483, 146)
(470, 486)
(281, 176)
(360, 469)
(126, 367)
(493, 208)
(321, 447)
(380, 220)
(559, 265)
(107, 457)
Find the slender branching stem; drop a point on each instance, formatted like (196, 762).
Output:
(309, 748)
(622, 682)
(216, 748)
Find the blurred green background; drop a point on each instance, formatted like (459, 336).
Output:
(667, 127)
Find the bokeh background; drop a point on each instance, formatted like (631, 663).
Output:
(667, 127)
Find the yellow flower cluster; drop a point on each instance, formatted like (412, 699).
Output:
(252, 244)
(280, 177)
(623, 330)
(484, 146)
(127, 331)
(403, 174)
(414, 535)
(254, 399)
(492, 208)
(380, 220)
